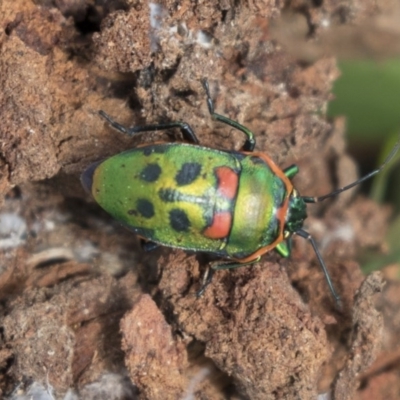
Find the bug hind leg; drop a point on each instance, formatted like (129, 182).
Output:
(207, 278)
(215, 266)
(185, 128)
(148, 246)
(250, 140)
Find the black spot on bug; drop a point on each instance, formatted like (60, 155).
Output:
(87, 176)
(160, 149)
(179, 220)
(148, 150)
(150, 173)
(167, 195)
(238, 156)
(188, 173)
(145, 208)
(257, 160)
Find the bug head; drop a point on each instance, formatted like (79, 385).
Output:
(297, 213)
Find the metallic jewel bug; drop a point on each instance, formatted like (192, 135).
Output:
(236, 205)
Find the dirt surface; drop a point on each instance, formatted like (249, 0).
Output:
(84, 312)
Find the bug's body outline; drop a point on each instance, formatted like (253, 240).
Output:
(289, 214)
(148, 182)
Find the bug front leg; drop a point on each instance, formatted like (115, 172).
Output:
(250, 140)
(307, 236)
(185, 128)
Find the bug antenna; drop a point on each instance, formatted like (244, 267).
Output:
(307, 236)
(358, 181)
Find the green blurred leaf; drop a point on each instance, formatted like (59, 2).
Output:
(381, 180)
(368, 94)
(374, 262)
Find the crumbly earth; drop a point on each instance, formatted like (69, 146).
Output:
(81, 305)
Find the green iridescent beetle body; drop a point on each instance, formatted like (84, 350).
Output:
(236, 205)
(194, 198)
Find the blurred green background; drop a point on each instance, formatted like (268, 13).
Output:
(368, 94)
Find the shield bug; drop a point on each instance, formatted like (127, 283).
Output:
(236, 205)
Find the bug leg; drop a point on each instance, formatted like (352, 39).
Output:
(215, 266)
(307, 236)
(250, 140)
(207, 278)
(291, 171)
(185, 128)
(233, 265)
(148, 246)
(284, 248)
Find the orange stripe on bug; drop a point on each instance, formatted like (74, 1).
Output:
(228, 181)
(220, 226)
